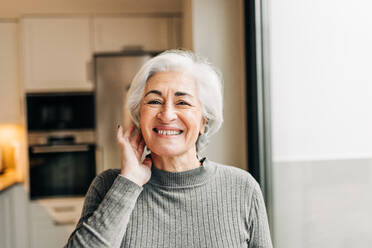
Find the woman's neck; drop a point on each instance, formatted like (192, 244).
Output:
(179, 163)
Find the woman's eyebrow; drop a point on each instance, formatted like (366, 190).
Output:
(154, 92)
(180, 93)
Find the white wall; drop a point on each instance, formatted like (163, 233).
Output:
(9, 80)
(321, 95)
(217, 33)
(321, 79)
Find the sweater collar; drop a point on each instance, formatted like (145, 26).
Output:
(187, 178)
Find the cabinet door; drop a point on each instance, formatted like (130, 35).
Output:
(53, 220)
(6, 224)
(20, 217)
(10, 95)
(175, 34)
(13, 217)
(117, 33)
(56, 54)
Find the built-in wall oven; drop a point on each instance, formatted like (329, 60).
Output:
(62, 166)
(62, 144)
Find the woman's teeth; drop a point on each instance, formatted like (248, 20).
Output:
(168, 132)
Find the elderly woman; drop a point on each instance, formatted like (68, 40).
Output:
(172, 198)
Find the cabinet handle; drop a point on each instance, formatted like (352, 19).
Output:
(64, 222)
(61, 148)
(64, 209)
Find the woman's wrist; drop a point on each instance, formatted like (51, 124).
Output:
(131, 178)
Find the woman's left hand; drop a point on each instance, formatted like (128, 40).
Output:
(132, 146)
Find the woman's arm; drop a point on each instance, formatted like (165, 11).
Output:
(258, 222)
(105, 215)
(104, 221)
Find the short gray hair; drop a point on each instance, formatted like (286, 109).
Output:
(209, 84)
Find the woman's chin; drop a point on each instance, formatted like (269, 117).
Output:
(166, 151)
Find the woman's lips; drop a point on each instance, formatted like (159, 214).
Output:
(167, 131)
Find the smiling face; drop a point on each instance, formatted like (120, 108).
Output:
(171, 114)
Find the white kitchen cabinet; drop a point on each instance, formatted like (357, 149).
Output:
(56, 54)
(38, 223)
(6, 225)
(149, 33)
(53, 220)
(10, 92)
(175, 35)
(13, 218)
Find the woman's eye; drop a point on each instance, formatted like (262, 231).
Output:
(154, 102)
(183, 103)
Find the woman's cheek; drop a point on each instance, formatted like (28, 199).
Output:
(145, 123)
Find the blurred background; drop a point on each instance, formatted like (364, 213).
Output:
(297, 106)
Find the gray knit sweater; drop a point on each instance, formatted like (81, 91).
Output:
(210, 206)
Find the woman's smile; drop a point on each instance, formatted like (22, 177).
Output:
(167, 131)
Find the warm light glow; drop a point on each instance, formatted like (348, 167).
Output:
(11, 136)
(10, 133)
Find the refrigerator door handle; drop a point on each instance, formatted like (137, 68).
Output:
(61, 148)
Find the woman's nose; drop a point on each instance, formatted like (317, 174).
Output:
(167, 114)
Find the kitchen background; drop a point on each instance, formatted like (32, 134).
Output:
(312, 94)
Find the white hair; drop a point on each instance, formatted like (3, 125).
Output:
(208, 80)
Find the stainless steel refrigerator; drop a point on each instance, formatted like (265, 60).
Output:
(113, 74)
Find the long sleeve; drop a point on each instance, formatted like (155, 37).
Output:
(258, 222)
(105, 216)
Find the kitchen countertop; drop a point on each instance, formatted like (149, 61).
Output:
(9, 178)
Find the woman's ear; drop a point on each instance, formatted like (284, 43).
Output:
(203, 125)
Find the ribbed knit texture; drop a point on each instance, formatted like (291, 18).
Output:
(210, 206)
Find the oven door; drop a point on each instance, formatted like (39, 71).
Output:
(61, 170)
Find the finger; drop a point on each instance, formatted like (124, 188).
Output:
(135, 139)
(129, 132)
(120, 135)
